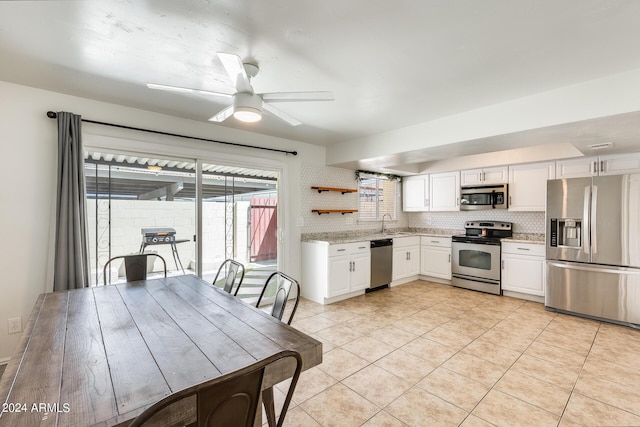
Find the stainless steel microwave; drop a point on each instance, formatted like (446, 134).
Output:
(479, 197)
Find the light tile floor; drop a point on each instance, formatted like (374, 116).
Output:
(426, 354)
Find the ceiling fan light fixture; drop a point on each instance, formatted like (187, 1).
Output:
(247, 107)
(247, 114)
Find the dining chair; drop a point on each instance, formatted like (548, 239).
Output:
(230, 400)
(135, 266)
(230, 270)
(282, 284)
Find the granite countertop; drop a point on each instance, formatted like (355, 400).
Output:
(360, 236)
(534, 238)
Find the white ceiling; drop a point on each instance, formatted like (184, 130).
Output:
(389, 64)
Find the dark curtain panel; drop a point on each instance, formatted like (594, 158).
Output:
(71, 264)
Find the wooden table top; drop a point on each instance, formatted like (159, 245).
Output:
(102, 355)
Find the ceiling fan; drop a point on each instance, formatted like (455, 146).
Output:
(247, 105)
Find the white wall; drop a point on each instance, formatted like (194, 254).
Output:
(607, 96)
(29, 161)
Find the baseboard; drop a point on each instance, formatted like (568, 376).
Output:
(519, 295)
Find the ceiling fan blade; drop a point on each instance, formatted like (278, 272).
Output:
(187, 90)
(297, 96)
(233, 64)
(222, 115)
(281, 115)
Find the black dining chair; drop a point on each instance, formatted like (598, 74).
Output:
(231, 400)
(278, 287)
(135, 266)
(230, 270)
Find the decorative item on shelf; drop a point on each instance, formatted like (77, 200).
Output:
(327, 211)
(389, 176)
(341, 190)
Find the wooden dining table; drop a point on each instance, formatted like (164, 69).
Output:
(102, 355)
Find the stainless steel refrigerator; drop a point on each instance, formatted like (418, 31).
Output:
(593, 247)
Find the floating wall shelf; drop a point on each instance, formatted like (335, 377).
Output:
(327, 211)
(341, 190)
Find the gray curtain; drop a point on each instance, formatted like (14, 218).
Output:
(71, 263)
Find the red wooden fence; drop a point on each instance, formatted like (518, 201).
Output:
(264, 228)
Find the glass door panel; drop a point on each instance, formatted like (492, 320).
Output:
(140, 204)
(240, 221)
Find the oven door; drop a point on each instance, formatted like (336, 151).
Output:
(476, 260)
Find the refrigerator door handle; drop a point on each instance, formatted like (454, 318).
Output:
(594, 220)
(585, 226)
(592, 268)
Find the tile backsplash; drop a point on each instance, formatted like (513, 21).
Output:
(523, 222)
(318, 175)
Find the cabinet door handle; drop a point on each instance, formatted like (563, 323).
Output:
(483, 176)
(510, 202)
(601, 165)
(449, 258)
(502, 262)
(457, 201)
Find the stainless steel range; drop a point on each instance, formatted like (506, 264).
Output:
(476, 256)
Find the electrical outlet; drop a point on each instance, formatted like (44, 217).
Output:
(14, 325)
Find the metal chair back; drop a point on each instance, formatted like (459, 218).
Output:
(230, 270)
(231, 400)
(135, 266)
(283, 285)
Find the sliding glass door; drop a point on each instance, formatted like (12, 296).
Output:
(135, 201)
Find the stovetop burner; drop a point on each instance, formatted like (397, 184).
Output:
(489, 232)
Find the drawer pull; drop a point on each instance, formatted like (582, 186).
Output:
(435, 241)
(341, 250)
(523, 249)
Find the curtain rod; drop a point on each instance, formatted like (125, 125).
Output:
(53, 115)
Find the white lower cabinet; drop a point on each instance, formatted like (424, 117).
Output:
(331, 271)
(435, 255)
(406, 257)
(348, 273)
(523, 268)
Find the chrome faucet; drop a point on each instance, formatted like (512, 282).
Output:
(383, 228)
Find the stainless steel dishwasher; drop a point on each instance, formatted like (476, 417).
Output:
(381, 264)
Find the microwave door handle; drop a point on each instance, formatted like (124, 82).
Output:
(493, 199)
(585, 225)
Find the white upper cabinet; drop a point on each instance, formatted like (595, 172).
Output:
(614, 164)
(576, 168)
(528, 186)
(444, 189)
(415, 193)
(486, 176)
